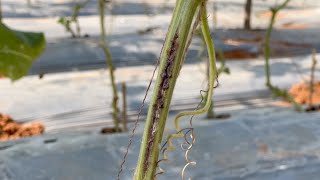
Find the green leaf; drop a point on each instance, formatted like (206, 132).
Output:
(18, 50)
(62, 20)
(226, 70)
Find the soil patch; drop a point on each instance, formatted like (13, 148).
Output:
(292, 25)
(9, 129)
(278, 48)
(242, 52)
(239, 54)
(268, 14)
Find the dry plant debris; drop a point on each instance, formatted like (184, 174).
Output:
(301, 93)
(9, 129)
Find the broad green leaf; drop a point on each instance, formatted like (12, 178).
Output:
(18, 50)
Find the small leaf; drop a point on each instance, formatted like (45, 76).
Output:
(226, 70)
(18, 50)
(62, 20)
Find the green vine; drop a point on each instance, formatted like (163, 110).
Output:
(222, 69)
(277, 92)
(212, 71)
(178, 39)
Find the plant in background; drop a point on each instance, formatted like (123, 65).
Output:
(247, 16)
(124, 107)
(312, 84)
(277, 92)
(108, 56)
(307, 92)
(18, 50)
(67, 22)
(215, 13)
(186, 17)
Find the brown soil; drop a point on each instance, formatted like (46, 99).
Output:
(294, 26)
(268, 14)
(301, 93)
(9, 129)
(278, 48)
(239, 54)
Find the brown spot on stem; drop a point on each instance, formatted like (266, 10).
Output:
(159, 104)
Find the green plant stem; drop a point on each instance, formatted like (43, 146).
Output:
(175, 43)
(111, 20)
(210, 113)
(78, 28)
(213, 75)
(222, 69)
(69, 29)
(75, 16)
(124, 107)
(114, 104)
(274, 89)
(213, 71)
(274, 12)
(267, 48)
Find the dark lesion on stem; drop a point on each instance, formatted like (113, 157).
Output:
(159, 104)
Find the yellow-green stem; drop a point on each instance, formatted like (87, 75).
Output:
(212, 71)
(274, 12)
(274, 89)
(176, 41)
